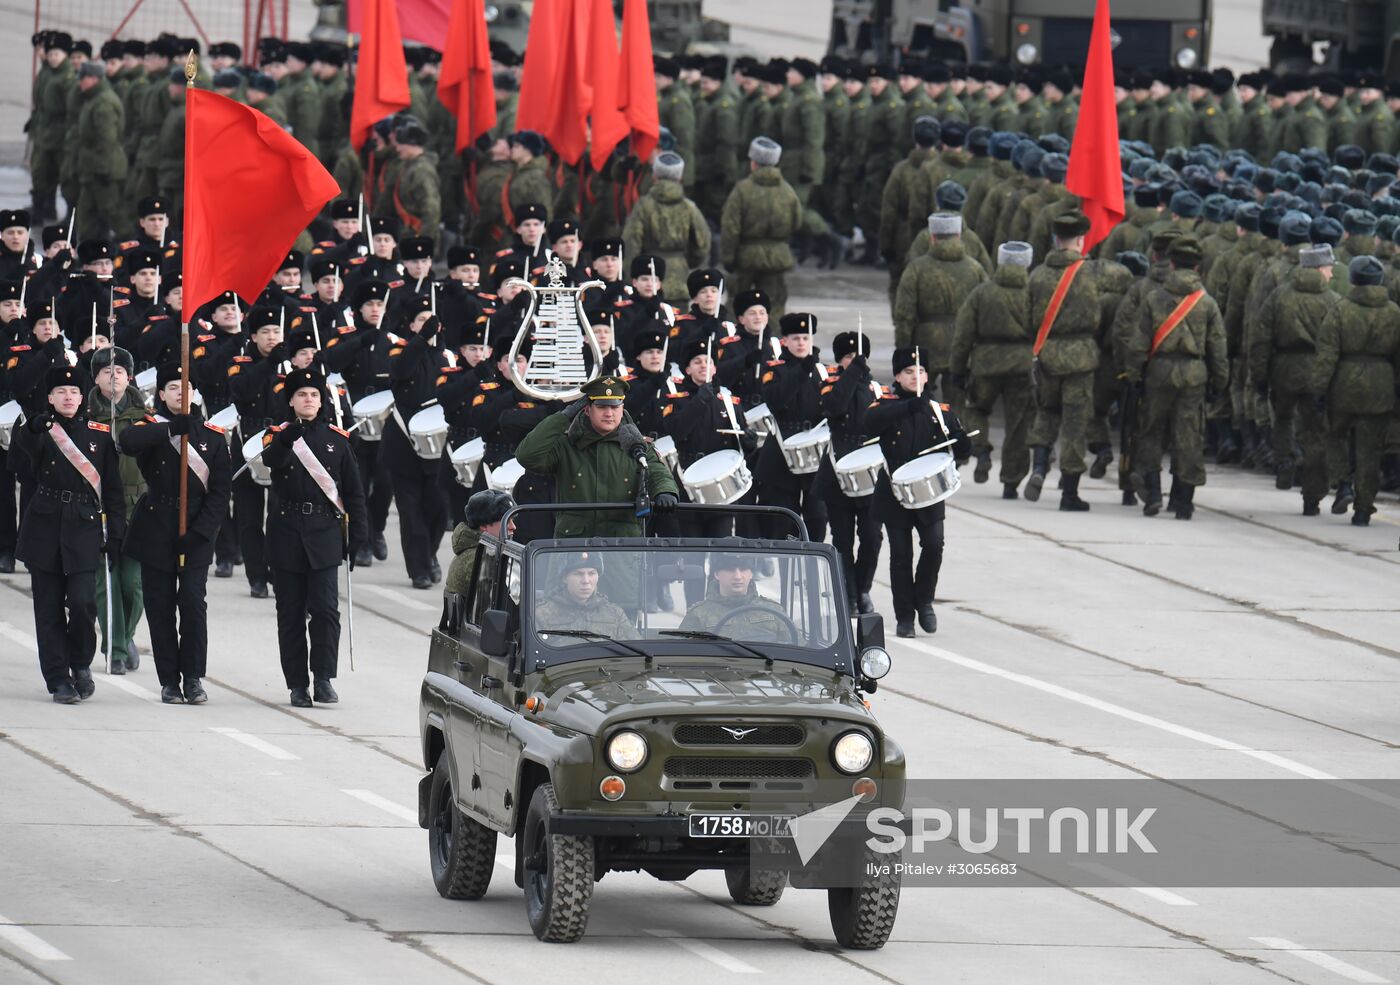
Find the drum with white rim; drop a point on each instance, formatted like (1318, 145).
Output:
(466, 461)
(252, 454)
(803, 451)
(427, 429)
(504, 478)
(720, 478)
(665, 448)
(371, 412)
(228, 420)
(858, 472)
(761, 420)
(925, 481)
(11, 417)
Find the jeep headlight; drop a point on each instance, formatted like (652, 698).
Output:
(1026, 53)
(627, 751)
(852, 752)
(492, 13)
(875, 662)
(1186, 58)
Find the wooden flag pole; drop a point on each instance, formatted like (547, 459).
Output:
(190, 70)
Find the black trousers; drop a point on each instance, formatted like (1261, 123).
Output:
(9, 506)
(179, 649)
(226, 546)
(852, 518)
(303, 595)
(374, 473)
(797, 497)
(912, 585)
(422, 515)
(250, 513)
(67, 640)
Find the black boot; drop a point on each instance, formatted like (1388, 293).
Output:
(1129, 497)
(300, 699)
(1264, 459)
(1174, 497)
(82, 683)
(1390, 472)
(1184, 506)
(1344, 498)
(323, 693)
(903, 628)
(1211, 443)
(363, 557)
(1283, 474)
(381, 547)
(194, 692)
(65, 694)
(1103, 456)
(7, 564)
(801, 248)
(1229, 451)
(1249, 446)
(1008, 491)
(1359, 519)
(1069, 496)
(1311, 507)
(1151, 493)
(983, 470)
(928, 622)
(1040, 465)
(864, 603)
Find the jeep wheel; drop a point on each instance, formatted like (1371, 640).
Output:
(558, 873)
(755, 887)
(863, 916)
(462, 851)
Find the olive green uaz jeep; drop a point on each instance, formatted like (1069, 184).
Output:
(565, 708)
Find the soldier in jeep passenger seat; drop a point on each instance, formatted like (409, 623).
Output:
(576, 604)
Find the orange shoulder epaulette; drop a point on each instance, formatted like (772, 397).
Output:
(340, 431)
(99, 426)
(213, 427)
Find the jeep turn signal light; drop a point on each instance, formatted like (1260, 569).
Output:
(864, 788)
(612, 788)
(534, 703)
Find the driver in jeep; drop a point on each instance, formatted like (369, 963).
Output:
(733, 607)
(576, 604)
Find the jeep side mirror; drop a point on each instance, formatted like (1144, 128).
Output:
(495, 633)
(870, 630)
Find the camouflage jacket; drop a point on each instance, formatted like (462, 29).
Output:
(803, 136)
(1071, 346)
(50, 126)
(760, 217)
(418, 197)
(717, 140)
(677, 113)
(99, 135)
(931, 291)
(709, 615)
(1283, 352)
(560, 610)
(1358, 353)
(670, 225)
(1193, 354)
(993, 334)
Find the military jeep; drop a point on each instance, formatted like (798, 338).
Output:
(564, 708)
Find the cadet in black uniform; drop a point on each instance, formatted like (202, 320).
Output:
(255, 384)
(414, 368)
(845, 399)
(134, 302)
(607, 267)
(316, 521)
(704, 319)
(180, 651)
(644, 309)
(78, 499)
(792, 389)
(907, 425)
(86, 297)
(739, 357)
(647, 382)
(13, 328)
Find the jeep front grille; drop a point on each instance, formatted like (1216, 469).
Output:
(711, 734)
(714, 768)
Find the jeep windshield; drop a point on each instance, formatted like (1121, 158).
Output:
(739, 603)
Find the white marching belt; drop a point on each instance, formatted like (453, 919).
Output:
(925, 481)
(803, 451)
(719, 478)
(466, 461)
(665, 448)
(252, 454)
(11, 417)
(427, 430)
(761, 420)
(858, 472)
(504, 478)
(371, 412)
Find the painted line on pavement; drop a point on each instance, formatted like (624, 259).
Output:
(399, 598)
(31, 943)
(13, 632)
(1323, 960)
(1151, 892)
(121, 684)
(384, 804)
(707, 951)
(253, 742)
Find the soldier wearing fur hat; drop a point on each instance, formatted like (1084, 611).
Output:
(761, 216)
(646, 385)
(76, 516)
(909, 421)
(316, 520)
(645, 308)
(17, 253)
(100, 164)
(417, 195)
(792, 386)
(134, 303)
(175, 569)
(87, 294)
(740, 355)
(666, 223)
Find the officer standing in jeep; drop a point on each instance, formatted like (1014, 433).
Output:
(575, 603)
(733, 590)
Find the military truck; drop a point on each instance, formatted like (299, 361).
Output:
(1355, 34)
(600, 736)
(1025, 32)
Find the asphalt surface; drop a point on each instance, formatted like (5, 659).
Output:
(246, 841)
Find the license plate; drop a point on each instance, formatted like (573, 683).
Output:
(731, 825)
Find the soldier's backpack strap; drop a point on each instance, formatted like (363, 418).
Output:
(1057, 300)
(1174, 319)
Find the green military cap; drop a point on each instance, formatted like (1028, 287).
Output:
(1070, 225)
(1185, 251)
(1162, 241)
(606, 391)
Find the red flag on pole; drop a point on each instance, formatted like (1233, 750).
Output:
(250, 189)
(533, 110)
(555, 98)
(421, 20)
(465, 85)
(608, 124)
(1095, 166)
(636, 91)
(381, 76)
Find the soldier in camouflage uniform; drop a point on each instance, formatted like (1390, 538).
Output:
(991, 362)
(669, 225)
(48, 127)
(731, 589)
(1357, 370)
(1178, 356)
(717, 140)
(915, 103)
(802, 134)
(828, 195)
(101, 162)
(302, 96)
(676, 110)
(576, 604)
(417, 196)
(950, 197)
(334, 131)
(896, 204)
(760, 218)
(879, 157)
(170, 172)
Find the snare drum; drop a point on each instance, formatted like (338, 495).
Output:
(858, 472)
(370, 413)
(228, 420)
(925, 481)
(803, 451)
(466, 461)
(11, 417)
(252, 454)
(503, 479)
(427, 429)
(146, 383)
(719, 478)
(665, 448)
(761, 420)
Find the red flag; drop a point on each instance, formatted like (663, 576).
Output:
(421, 20)
(1095, 167)
(608, 125)
(560, 110)
(636, 90)
(381, 76)
(250, 189)
(465, 86)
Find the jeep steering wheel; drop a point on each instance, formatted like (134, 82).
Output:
(781, 616)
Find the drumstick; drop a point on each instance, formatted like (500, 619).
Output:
(945, 444)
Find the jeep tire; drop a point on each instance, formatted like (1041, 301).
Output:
(755, 887)
(461, 850)
(862, 916)
(558, 873)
